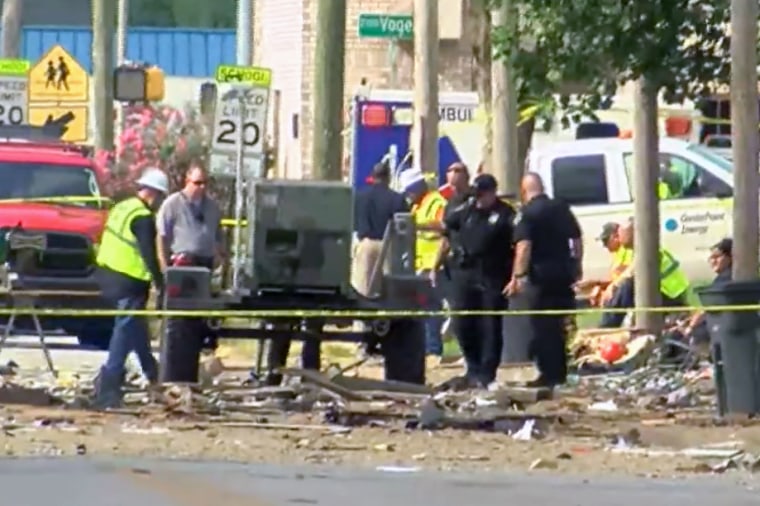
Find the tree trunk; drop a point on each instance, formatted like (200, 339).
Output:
(480, 17)
(646, 205)
(524, 139)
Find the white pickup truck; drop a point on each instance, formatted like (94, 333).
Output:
(595, 177)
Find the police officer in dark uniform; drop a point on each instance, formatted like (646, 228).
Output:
(548, 256)
(481, 265)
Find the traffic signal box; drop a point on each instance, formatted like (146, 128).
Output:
(135, 83)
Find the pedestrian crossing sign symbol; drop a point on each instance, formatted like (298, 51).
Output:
(58, 77)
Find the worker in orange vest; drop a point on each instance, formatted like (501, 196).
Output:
(622, 258)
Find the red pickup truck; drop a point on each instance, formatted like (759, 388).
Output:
(36, 179)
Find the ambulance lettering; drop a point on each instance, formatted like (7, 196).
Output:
(462, 114)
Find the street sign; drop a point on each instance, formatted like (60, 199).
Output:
(384, 26)
(72, 118)
(241, 115)
(14, 96)
(59, 78)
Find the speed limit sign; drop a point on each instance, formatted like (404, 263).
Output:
(14, 85)
(240, 123)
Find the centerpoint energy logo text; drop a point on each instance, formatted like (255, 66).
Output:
(694, 222)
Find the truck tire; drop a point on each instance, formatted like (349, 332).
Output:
(181, 345)
(404, 351)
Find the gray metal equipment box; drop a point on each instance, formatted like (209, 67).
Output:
(299, 236)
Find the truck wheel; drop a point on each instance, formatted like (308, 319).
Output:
(404, 351)
(181, 345)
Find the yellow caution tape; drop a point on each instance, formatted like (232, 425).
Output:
(358, 314)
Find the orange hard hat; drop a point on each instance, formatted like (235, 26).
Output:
(612, 351)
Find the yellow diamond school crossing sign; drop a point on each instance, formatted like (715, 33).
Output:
(58, 77)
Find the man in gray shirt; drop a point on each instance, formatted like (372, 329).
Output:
(189, 233)
(189, 223)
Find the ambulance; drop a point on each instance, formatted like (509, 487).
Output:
(381, 126)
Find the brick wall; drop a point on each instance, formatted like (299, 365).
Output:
(370, 58)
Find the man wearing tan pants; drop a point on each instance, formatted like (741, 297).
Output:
(374, 209)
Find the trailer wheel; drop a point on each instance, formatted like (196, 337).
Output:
(404, 351)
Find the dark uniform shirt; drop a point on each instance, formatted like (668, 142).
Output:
(483, 253)
(549, 225)
(374, 208)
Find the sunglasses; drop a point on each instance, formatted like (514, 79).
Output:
(199, 183)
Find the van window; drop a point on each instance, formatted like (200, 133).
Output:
(683, 178)
(580, 180)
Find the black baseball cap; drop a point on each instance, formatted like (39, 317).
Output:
(484, 183)
(609, 229)
(725, 246)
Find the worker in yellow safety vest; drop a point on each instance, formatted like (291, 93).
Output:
(127, 266)
(600, 291)
(674, 285)
(427, 207)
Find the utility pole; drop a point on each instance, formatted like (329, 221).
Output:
(329, 63)
(11, 29)
(646, 204)
(744, 136)
(244, 37)
(103, 18)
(425, 107)
(504, 160)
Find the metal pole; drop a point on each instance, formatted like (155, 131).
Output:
(744, 136)
(239, 195)
(244, 32)
(103, 17)
(11, 24)
(122, 22)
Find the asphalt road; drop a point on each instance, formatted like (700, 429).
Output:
(85, 482)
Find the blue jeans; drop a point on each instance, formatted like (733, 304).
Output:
(433, 326)
(130, 333)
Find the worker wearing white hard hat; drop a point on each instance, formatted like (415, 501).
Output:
(127, 266)
(427, 208)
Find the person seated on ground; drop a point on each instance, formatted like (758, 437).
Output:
(674, 284)
(600, 290)
(694, 328)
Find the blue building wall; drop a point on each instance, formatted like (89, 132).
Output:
(179, 52)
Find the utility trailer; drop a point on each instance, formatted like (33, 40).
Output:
(298, 259)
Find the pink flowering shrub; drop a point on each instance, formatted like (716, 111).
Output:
(163, 137)
(157, 136)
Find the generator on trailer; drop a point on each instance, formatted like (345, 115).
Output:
(297, 259)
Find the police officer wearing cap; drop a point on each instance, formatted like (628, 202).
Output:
(481, 265)
(127, 266)
(548, 256)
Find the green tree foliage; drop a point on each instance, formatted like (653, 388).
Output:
(680, 46)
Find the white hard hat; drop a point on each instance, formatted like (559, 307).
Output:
(409, 178)
(155, 179)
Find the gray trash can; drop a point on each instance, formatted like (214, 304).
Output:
(736, 350)
(516, 329)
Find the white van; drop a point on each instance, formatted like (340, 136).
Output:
(595, 176)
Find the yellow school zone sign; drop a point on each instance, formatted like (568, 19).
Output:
(76, 128)
(58, 77)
